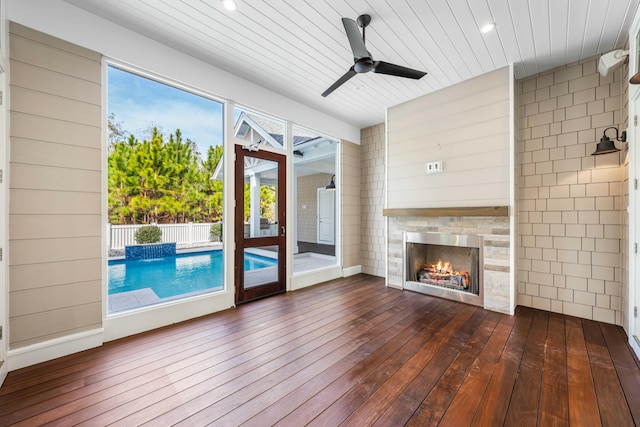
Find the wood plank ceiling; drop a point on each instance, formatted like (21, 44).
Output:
(299, 48)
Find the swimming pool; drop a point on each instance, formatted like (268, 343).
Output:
(177, 275)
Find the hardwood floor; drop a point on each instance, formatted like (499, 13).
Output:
(350, 352)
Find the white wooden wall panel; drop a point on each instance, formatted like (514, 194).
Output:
(49, 323)
(42, 80)
(50, 130)
(558, 39)
(55, 107)
(54, 178)
(466, 127)
(54, 297)
(54, 226)
(55, 229)
(35, 251)
(579, 13)
(54, 202)
(36, 276)
(45, 153)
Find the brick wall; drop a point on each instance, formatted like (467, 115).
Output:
(373, 224)
(350, 205)
(570, 203)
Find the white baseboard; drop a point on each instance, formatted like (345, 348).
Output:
(52, 349)
(635, 345)
(4, 370)
(351, 271)
(310, 278)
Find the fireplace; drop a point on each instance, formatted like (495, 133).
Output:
(444, 265)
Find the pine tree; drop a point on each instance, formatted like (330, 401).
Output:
(162, 181)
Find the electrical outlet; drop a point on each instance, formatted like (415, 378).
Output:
(434, 167)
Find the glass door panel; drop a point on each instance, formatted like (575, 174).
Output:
(260, 224)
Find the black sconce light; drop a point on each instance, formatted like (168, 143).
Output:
(332, 184)
(606, 145)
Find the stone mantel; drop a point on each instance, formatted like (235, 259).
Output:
(452, 211)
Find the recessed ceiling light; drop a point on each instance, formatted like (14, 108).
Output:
(488, 27)
(230, 4)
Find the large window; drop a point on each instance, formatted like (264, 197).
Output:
(164, 195)
(315, 200)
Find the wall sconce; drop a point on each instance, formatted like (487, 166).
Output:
(332, 184)
(606, 145)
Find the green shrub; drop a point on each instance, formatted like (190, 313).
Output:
(148, 234)
(216, 230)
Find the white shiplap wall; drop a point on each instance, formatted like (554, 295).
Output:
(466, 126)
(299, 48)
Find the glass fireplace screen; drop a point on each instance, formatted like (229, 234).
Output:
(450, 267)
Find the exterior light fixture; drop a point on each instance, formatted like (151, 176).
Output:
(487, 27)
(606, 145)
(611, 61)
(332, 184)
(230, 5)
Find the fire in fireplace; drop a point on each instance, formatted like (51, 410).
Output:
(444, 265)
(443, 274)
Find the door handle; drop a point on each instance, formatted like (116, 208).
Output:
(282, 230)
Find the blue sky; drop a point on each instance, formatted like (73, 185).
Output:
(138, 102)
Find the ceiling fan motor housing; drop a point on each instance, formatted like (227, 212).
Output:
(363, 65)
(364, 20)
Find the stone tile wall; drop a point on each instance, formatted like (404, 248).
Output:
(373, 224)
(350, 205)
(570, 203)
(496, 234)
(572, 224)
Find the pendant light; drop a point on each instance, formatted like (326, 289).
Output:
(332, 184)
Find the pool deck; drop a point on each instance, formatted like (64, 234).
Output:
(124, 301)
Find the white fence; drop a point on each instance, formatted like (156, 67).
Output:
(189, 233)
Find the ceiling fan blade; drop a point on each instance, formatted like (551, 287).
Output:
(382, 67)
(340, 81)
(355, 39)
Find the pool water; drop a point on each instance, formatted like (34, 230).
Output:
(177, 275)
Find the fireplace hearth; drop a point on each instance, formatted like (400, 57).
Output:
(444, 265)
